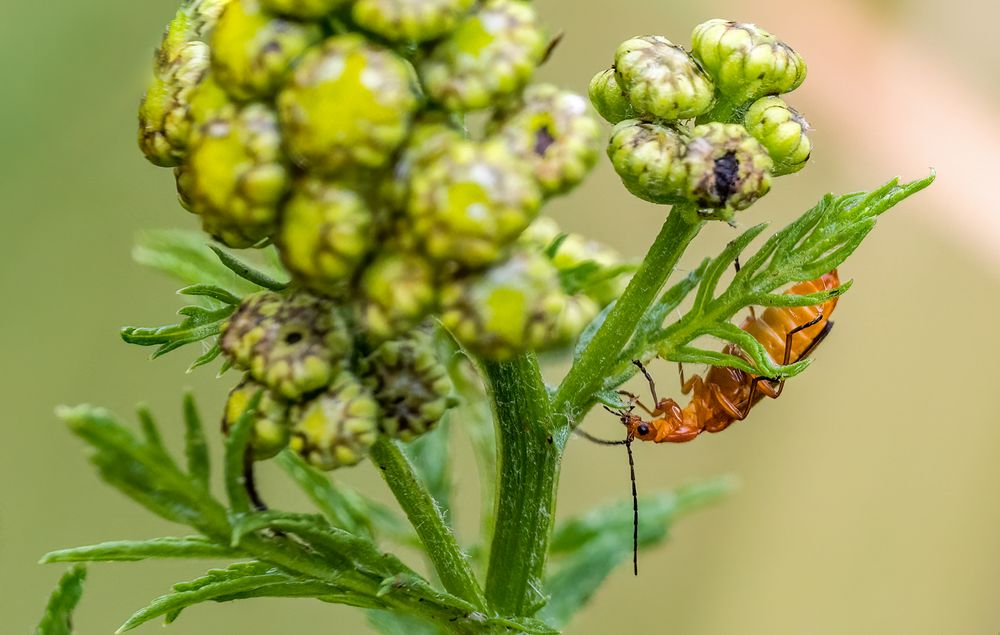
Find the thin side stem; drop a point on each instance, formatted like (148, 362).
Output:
(528, 452)
(680, 228)
(439, 541)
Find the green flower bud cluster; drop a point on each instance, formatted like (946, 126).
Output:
(703, 127)
(335, 131)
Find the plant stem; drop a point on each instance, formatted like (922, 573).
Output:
(529, 449)
(439, 541)
(600, 355)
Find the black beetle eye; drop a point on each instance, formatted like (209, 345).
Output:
(643, 429)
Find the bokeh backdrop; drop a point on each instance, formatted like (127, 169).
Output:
(869, 491)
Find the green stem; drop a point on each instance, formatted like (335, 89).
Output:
(529, 449)
(439, 541)
(601, 353)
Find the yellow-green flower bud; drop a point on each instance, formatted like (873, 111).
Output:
(235, 176)
(253, 51)
(326, 230)
(471, 202)
(661, 79)
(271, 428)
(303, 9)
(608, 98)
(647, 157)
(410, 384)
(430, 137)
(555, 135)
(398, 291)
(410, 20)
(349, 102)
(491, 54)
(164, 114)
(782, 130)
(293, 344)
(512, 307)
(725, 168)
(746, 61)
(337, 427)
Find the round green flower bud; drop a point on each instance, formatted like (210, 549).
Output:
(235, 176)
(647, 157)
(303, 9)
(555, 135)
(398, 291)
(746, 61)
(469, 203)
(337, 427)
(512, 307)
(253, 51)
(661, 79)
(349, 102)
(430, 137)
(164, 118)
(409, 383)
(326, 230)
(782, 130)
(271, 428)
(579, 312)
(725, 168)
(491, 54)
(410, 20)
(292, 344)
(608, 98)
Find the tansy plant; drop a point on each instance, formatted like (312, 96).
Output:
(399, 282)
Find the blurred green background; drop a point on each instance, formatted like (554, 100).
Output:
(869, 490)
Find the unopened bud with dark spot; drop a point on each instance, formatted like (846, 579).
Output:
(725, 168)
(410, 384)
(555, 134)
(293, 344)
(782, 130)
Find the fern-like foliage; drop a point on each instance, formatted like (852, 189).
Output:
(331, 557)
(814, 244)
(216, 279)
(58, 616)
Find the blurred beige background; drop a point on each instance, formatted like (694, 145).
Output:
(869, 490)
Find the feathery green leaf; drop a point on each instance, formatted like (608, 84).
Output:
(134, 550)
(58, 616)
(195, 445)
(247, 272)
